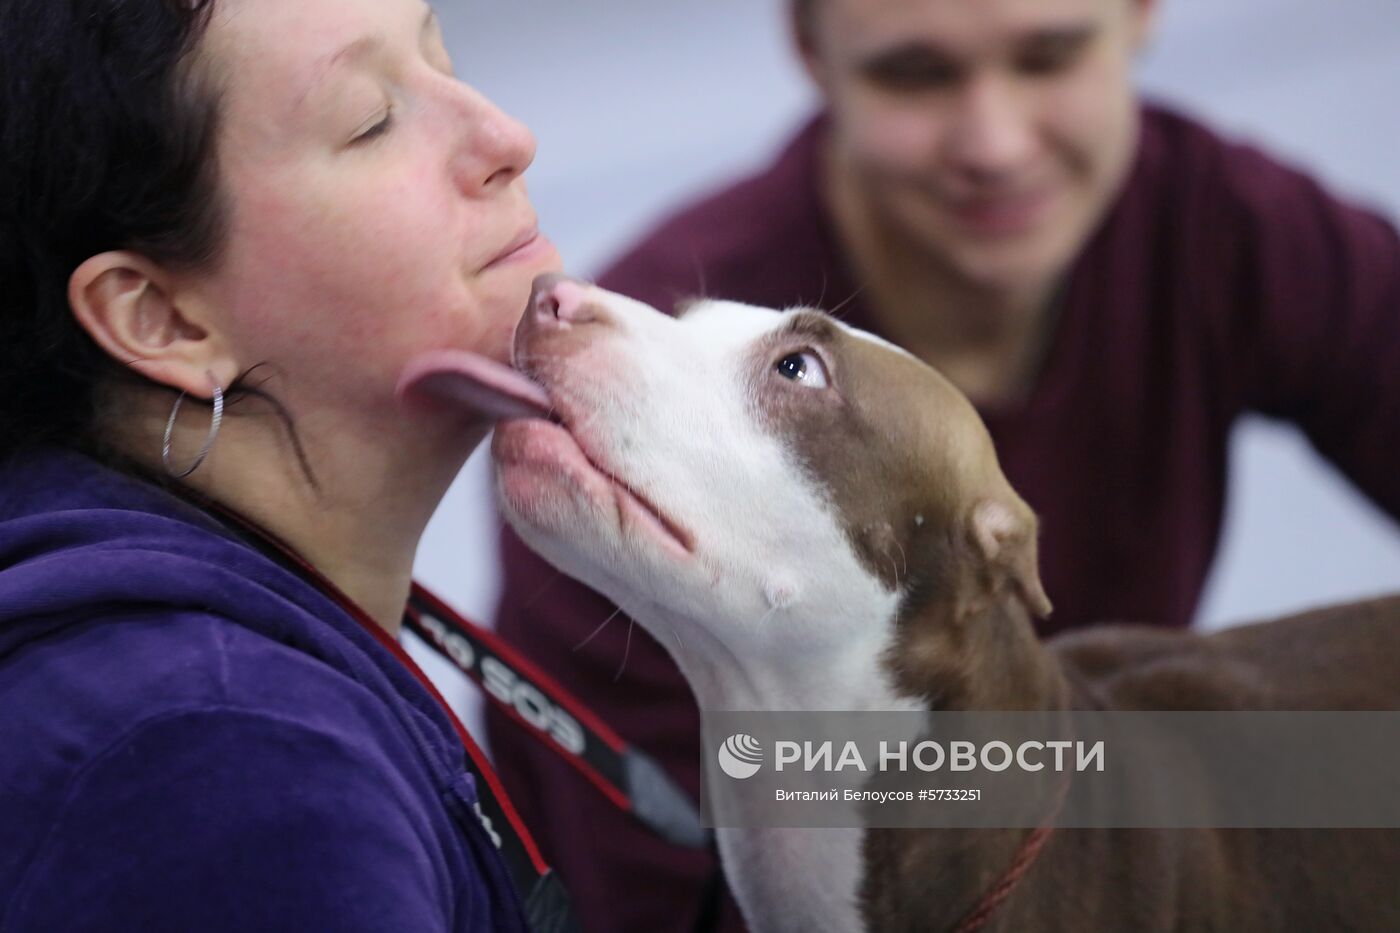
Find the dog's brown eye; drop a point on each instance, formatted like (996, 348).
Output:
(803, 368)
(792, 366)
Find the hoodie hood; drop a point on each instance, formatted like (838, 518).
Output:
(95, 564)
(80, 540)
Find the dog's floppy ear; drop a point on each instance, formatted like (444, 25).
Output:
(1004, 534)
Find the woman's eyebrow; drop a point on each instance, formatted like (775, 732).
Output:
(361, 48)
(351, 52)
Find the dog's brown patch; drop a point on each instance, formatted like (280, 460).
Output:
(911, 473)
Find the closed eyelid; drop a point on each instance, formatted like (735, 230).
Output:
(374, 128)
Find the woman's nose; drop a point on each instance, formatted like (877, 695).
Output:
(495, 148)
(513, 148)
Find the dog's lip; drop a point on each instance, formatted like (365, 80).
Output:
(643, 507)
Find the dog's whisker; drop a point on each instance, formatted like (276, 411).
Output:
(700, 273)
(836, 311)
(627, 649)
(588, 422)
(597, 630)
(543, 589)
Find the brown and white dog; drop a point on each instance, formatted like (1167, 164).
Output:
(812, 519)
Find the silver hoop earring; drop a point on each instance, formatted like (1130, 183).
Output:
(208, 441)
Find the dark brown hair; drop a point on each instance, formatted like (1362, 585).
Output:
(107, 138)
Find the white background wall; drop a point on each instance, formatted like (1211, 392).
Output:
(639, 103)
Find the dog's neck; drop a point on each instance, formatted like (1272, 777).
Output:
(794, 880)
(972, 655)
(808, 679)
(975, 653)
(981, 656)
(810, 674)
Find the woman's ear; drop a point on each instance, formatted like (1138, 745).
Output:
(126, 304)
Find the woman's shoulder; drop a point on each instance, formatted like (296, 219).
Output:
(178, 702)
(141, 719)
(96, 678)
(183, 745)
(119, 602)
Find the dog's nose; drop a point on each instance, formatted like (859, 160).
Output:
(557, 299)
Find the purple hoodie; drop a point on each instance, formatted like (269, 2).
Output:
(193, 737)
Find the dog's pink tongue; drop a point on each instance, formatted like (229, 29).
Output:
(476, 381)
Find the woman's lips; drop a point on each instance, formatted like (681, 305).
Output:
(523, 248)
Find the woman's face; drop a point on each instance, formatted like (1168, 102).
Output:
(376, 203)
